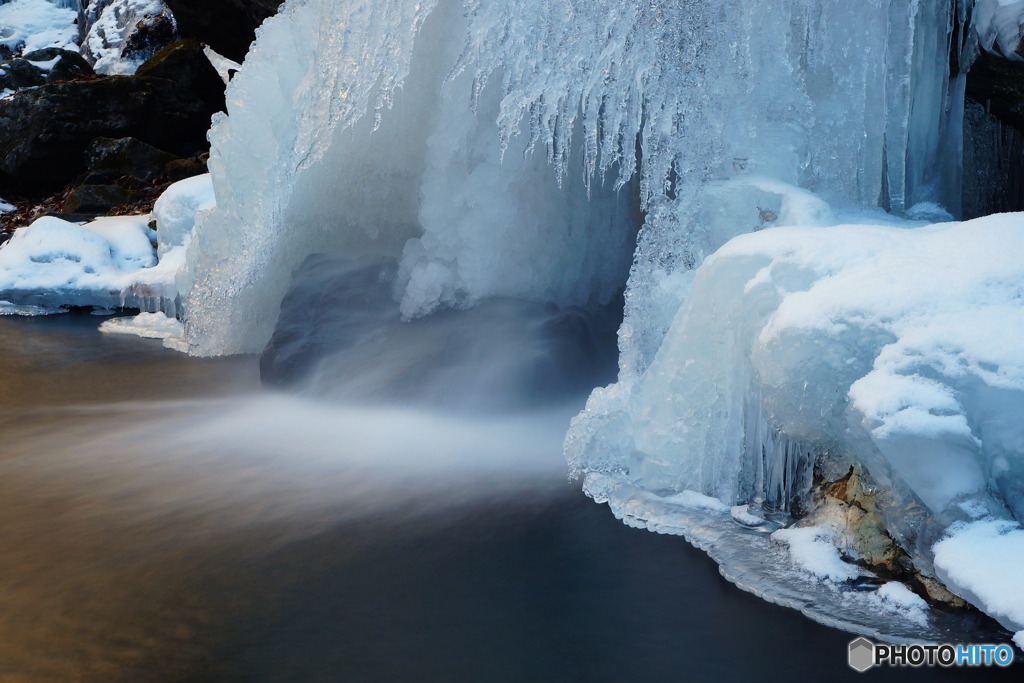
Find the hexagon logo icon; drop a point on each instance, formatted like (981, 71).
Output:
(862, 654)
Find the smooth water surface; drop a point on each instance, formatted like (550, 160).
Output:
(162, 518)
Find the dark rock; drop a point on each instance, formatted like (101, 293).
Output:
(114, 159)
(180, 169)
(23, 72)
(69, 217)
(20, 73)
(99, 199)
(998, 84)
(45, 131)
(70, 66)
(186, 64)
(993, 167)
(228, 26)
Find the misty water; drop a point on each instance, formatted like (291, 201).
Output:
(164, 518)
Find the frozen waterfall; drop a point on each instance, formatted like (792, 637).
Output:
(554, 152)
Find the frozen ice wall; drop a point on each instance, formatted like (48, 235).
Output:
(499, 146)
(349, 132)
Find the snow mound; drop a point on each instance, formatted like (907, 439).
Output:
(178, 209)
(108, 262)
(984, 559)
(29, 25)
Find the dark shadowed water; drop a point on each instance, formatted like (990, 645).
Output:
(164, 519)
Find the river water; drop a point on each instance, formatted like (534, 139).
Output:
(163, 518)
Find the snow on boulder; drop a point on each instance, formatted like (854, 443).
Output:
(109, 262)
(177, 208)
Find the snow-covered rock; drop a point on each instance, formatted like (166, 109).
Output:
(114, 41)
(27, 25)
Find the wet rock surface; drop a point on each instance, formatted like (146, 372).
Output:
(848, 507)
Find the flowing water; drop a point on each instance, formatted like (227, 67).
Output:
(163, 518)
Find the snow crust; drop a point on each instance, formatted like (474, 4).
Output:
(28, 25)
(107, 263)
(984, 558)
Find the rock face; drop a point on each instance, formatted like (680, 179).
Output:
(186, 64)
(993, 178)
(228, 26)
(994, 135)
(45, 132)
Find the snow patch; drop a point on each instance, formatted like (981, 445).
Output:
(693, 499)
(742, 514)
(983, 560)
(813, 549)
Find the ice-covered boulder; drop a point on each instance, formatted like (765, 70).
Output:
(899, 351)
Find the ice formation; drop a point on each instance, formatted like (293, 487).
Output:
(540, 150)
(149, 326)
(895, 350)
(464, 178)
(999, 25)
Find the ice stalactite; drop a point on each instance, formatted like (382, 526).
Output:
(681, 98)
